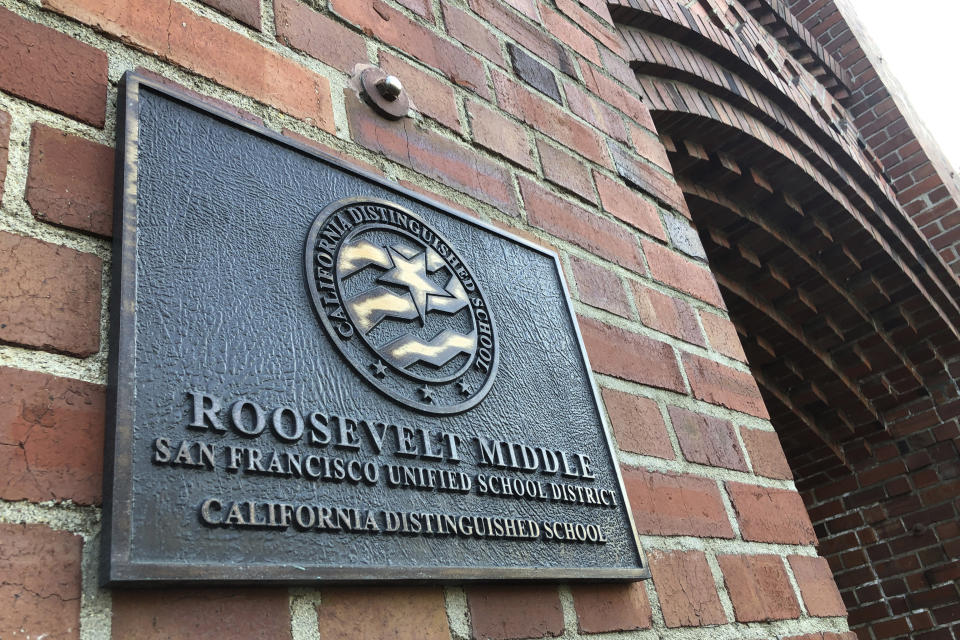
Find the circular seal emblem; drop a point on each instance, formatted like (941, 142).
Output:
(401, 305)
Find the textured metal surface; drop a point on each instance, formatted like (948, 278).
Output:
(223, 374)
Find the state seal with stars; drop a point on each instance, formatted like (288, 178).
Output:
(401, 305)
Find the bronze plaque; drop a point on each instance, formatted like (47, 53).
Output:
(319, 375)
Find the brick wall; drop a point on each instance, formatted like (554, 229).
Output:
(526, 110)
(926, 185)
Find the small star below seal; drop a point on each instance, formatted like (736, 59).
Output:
(426, 392)
(379, 369)
(465, 388)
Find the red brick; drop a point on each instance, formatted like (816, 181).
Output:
(649, 146)
(685, 588)
(174, 33)
(39, 582)
(531, 37)
(618, 352)
(678, 272)
(52, 429)
(574, 224)
(597, 113)
(637, 424)
(502, 612)
(819, 591)
(50, 298)
(566, 171)
(669, 315)
(629, 206)
(499, 134)
(246, 11)
(707, 440)
(431, 154)
(722, 335)
(759, 588)
(600, 287)
(604, 33)
(52, 69)
(549, 119)
(432, 96)
(217, 103)
(200, 614)
(766, 454)
(720, 385)
(472, 33)
(668, 504)
(612, 607)
(570, 34)
(70, 182)
(387, 24)
(771, 515)
(302, 28)
(422, 8)
(4, 146)
(403, 613)
(617, 95)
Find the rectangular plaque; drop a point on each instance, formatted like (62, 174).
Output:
(319, 375)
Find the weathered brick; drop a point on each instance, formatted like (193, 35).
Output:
(617, 95)
(707, 440)
(175, 33)
(669, 315)
(570, 34)
(574, 224)
(771, 515)
(722, 335)
(668, 504)
(200, 614)
(52, 69)
(681, 273)
(606, 35)
(597, 113)
(392, 27)
(70, 182)
(621, 353)
(502, 612)
(404, 613)
(759, 588)
(637, 424)
(683, 236)
(685, 588)
(472, 33)
(817, 587)
(549, 119)
(766, 454)
(649, 147)
(629, 206)
(246, 11)
(720, 385)
(434, 97)
(600, 287)
(423, 8)
(431, 154)
(533, 73)
(39, 582)
(566, 171)
(648, 178)
(51, 296)
(499, 134)
(531, 37)
(612, 607)
(52, 429)
(302, 28)
(4, 147)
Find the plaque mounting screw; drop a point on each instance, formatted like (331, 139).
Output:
(383, 92)
(390, 87)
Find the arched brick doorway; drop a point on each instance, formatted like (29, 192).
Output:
(849, 319)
